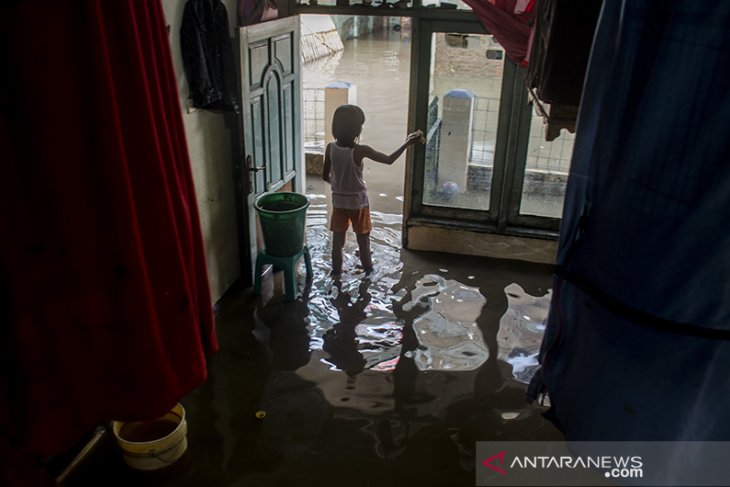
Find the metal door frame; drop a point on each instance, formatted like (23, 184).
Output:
(503, 216)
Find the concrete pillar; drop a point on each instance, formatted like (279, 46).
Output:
(457, 118)
(336, 94)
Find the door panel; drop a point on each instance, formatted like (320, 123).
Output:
(258, 62)
(271, 152)
(464, 94)
(284, 53)
(273, 125)
(290, 114)
(256, 145)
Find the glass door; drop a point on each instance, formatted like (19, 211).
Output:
(486, 165)
(459, 107)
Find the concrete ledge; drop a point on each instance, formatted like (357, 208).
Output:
(467, 242)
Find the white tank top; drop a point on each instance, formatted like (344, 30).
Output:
(349, 190)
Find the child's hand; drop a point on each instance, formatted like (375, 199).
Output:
(415, 137)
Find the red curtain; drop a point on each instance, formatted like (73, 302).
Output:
(509, 21)
(106, 311)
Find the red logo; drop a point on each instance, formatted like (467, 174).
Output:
(499, 456)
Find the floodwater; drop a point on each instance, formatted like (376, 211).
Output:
(384, 379)
(521, 330)
(367, 380)
(410, 365)
(447, 332)
(406, 366)
(381, 379)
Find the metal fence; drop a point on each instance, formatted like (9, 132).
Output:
(553, 157)
(484, 130)
(313, 119)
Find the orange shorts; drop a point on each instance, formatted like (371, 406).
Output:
(360, 219)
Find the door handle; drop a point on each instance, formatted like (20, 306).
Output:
(251, 166)
(252, 169)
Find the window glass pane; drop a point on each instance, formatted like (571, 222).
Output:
(465, 87)
(546, 171)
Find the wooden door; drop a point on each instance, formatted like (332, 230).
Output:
(270, 119)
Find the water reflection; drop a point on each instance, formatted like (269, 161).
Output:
(521, 330)
(447, 333)
(394, 365)
(364, 302)
(340, 340)
(363, 323)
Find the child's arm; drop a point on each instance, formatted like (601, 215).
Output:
(327, 164)
(370, 153)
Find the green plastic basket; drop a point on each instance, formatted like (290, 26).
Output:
(283, 218)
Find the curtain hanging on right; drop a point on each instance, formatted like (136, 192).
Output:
(638, 339)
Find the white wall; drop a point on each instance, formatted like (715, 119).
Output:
(211, 158)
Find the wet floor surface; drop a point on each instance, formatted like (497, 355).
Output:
(386, 379)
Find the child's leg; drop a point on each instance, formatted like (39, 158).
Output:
(338, 243)
(363, 241)
(362, 225)
(338, 224)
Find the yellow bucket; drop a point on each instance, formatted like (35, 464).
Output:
(150, 445)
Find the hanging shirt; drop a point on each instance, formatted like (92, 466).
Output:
(207, 56)
(349, 190)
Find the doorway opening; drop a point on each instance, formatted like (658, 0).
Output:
(486, 178)
(373, 57)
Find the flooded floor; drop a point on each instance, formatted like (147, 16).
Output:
(379, 380)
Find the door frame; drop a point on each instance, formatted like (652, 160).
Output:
(245, 177)
(420, 85)
(465, 229)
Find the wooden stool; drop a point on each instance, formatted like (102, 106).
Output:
(288, 265)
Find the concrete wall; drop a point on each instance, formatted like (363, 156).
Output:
(353, 26)
(319, 37)
(211, 157)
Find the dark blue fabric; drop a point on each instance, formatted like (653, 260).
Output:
(652, 159)
(610, 378)
(645, 238)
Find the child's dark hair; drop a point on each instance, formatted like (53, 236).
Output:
(347, 123)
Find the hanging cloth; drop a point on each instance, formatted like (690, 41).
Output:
(208, 56)
(106, 312)
(637, 344)
(255, 11)
(509, 21)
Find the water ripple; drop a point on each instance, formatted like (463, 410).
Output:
(447, 332)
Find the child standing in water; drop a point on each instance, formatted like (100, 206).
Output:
(343, 165)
